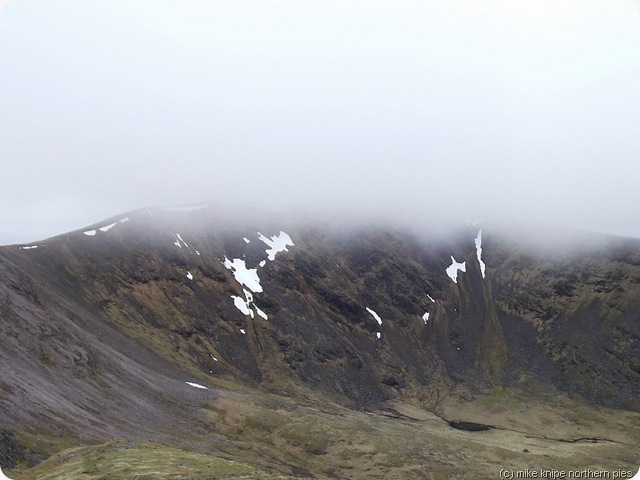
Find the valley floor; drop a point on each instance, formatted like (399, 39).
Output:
(265, 436)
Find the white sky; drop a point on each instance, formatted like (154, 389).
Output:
(527, 109)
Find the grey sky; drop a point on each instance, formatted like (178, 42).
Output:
(520, 110)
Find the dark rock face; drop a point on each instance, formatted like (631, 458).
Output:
(110, 326)
(12, 452)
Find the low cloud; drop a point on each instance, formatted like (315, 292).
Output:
(414, 112)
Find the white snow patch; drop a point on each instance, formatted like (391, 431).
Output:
(246, 240)
(189, 276)
(452, 270)
(242, 305)
(375, 315)
(479, 252)
(214, 358)
(245, 304)
(378, 335)
(431, 298)
(242, 331)
(425, 317)
(196, 385)
(182, 240)
(90, 233)
(197, 252)
(180, 243)
(277, 243)
(243, 275)
(262, 263)
(106, 228)
(28, 247)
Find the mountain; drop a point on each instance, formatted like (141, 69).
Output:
(297, 347)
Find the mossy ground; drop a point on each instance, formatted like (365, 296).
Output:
(269, 436)
(126, 460)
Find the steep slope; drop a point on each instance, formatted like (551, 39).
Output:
(582, 300)
(101, 328)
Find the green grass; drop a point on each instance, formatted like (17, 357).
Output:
(120, 460)
(308, 434)
(500, 398)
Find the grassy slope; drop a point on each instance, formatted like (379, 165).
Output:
(125, 460)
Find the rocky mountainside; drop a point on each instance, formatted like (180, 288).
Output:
(102, 328)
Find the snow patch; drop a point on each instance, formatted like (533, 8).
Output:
(425, 317)
(261, 313)
(452, 270)
(243, 275)
(243, 305)
(479, 252)
(196, 385)
(27, 247)
(248, 277)
(431, 298)
(375, 315)
(378, 335)
(90, 233)
(180, 242)
(214, 358)
(106, 228)
(189, 276)
(242, 331)
(277, 243)
(246, 305)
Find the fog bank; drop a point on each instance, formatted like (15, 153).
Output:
(407, 111)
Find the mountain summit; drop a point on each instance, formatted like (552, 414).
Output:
(226, 333)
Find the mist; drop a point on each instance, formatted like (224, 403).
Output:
(416, 112)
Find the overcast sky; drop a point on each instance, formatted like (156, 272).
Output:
(520, 110)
